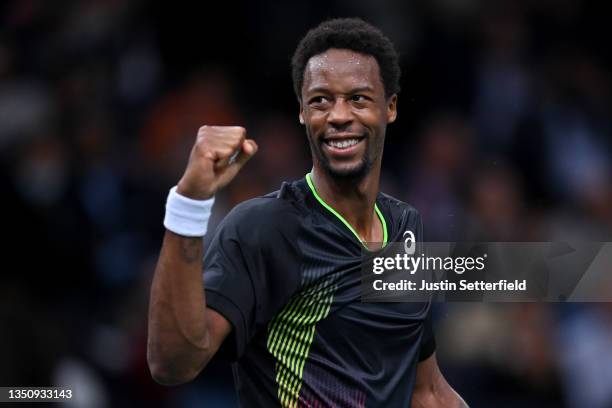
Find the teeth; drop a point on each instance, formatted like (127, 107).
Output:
(343, 144)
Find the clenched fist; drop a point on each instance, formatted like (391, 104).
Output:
(217, 155)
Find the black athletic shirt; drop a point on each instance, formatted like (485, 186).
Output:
(285, 270)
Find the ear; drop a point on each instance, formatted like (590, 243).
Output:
(301, 113)
(392, 108)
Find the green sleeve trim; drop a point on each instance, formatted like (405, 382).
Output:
(341, 218)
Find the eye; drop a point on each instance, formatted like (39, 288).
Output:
(318, 102)
(358, 98)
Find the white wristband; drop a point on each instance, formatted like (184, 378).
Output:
(186, 216)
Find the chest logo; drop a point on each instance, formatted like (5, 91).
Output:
(409, 242)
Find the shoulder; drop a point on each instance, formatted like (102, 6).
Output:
(398, 209)
(400, 217)
(278, 211)
(276, 206)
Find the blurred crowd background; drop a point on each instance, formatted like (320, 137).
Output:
(503, 134)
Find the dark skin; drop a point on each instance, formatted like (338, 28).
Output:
(343, 100)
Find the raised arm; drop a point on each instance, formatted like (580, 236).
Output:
(183, 334)
(431, 389)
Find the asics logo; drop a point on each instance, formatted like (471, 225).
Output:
(409, 242)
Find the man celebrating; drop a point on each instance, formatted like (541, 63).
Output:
(280, 292)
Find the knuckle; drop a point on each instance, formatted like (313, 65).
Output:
(239, 131)
(200, 140)
(203, 134)
(221, 135)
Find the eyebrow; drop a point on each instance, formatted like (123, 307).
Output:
(362, 89)
(358, 89)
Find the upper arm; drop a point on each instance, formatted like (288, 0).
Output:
(431, 390)
(428, 373)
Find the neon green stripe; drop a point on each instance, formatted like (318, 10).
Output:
(293, 347)
(291, 359)
(290, 337)
(275, 337)
(341, 218)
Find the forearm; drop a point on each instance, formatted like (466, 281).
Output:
(438, 399)
(445, 396)
(183, 335)
(431, 390)
(178, 339)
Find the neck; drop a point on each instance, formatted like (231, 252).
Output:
(353, 199)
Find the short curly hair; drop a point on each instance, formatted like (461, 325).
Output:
(353, 34)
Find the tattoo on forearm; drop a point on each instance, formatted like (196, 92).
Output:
(191, 249)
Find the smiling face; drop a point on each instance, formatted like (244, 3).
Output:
(345, 112)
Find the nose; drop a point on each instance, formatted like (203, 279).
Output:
(340, 113)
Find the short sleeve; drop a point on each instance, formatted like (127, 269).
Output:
(250, 270)
(428, 340)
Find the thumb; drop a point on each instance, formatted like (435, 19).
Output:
(249, 148)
